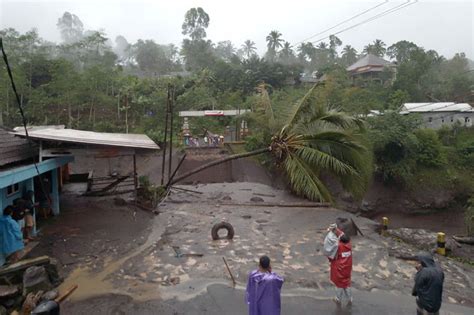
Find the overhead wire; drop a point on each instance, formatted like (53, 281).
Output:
(345, 21)
(375, 17)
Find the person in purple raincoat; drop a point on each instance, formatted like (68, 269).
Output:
(263, 290)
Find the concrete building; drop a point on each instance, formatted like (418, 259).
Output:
(437, 115)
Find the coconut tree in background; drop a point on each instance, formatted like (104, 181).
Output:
(274, 41)
(249, 48)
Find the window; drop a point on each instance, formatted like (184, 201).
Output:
(430, 119)
(466, 119)
(452, 119)
(442, 121)
(13, 189)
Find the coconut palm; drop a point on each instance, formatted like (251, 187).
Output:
(349, 55)
(377, 48)
(312, 140)
(249, 48)
(274, 41)
(286, 53)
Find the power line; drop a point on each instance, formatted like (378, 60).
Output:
(389, 11)
(345, 21)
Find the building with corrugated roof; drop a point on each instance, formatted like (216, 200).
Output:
(439, 114)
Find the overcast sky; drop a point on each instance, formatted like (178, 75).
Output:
(446, 26)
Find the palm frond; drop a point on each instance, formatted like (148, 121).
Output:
(324, 161)
(303, 105)
(304, 180)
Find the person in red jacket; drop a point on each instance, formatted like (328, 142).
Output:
(341, 269)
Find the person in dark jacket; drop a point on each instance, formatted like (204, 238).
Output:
(428, 287)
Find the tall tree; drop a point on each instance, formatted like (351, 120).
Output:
(249, 48)
(274, 41)
(349, 55)
(286, 54)
(400, 51)
(195, 23)
(377, 48)
(71, 28)
(334, 43)
(225, 50)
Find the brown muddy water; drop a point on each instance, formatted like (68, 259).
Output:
(449, 221)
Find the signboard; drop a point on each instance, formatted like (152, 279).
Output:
(213, 113)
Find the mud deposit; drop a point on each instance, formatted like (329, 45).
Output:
(124, 262)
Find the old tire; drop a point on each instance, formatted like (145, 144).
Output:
(219, 226)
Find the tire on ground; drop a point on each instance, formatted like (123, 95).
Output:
(223, 225)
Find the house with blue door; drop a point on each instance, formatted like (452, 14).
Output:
(20, 170)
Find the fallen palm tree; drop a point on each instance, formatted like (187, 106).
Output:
(314, 138)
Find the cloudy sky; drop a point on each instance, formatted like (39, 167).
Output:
(444, 25)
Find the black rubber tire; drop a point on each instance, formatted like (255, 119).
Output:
(219, 226)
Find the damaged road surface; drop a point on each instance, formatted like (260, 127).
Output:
(131, 262)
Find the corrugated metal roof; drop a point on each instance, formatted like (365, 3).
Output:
(368, 60)
(14, 149)
(90, 137)
(435, 107)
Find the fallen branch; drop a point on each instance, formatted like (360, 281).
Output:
(464, 239)
(187, 190)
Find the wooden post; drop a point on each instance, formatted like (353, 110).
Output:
(228, 269)
(135, 179)
(170, 159)
(175, 171)
(163, 161)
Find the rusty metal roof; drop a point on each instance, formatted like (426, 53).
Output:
(54, 133)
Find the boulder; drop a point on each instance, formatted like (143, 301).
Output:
(7, 291)
(35, 279)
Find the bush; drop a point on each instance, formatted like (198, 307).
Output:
(429, 151)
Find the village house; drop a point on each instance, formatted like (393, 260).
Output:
(21, 171)
(437, 115)
(371, 68)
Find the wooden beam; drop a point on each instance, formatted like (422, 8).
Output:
(24, 264)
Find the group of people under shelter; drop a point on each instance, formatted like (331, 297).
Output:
(17, 223)
(263, 293)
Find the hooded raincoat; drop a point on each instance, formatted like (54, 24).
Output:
(11, 238)
(428, 287)
(263, 293)
(341, 266)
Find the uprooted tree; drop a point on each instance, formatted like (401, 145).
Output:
(314, 138)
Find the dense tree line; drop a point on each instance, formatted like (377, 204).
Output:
(88, 81)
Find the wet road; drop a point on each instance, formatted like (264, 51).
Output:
(222, 299)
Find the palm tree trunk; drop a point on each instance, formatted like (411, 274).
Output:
(217, 162)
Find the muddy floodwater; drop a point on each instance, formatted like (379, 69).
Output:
(124, 259)
(449, 221)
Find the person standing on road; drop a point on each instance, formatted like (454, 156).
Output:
(263, 290)
(341, 269)
(428, 287)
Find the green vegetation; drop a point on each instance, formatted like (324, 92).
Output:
(89, 82)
